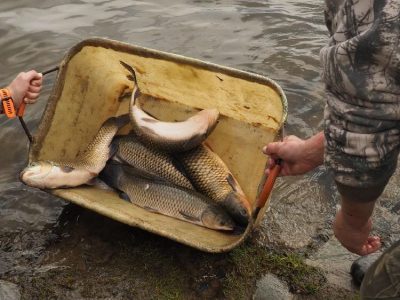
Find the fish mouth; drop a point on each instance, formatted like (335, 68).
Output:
(216, 219)
(235, 207)
(34, 174)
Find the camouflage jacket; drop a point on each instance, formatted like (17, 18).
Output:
(361, 70)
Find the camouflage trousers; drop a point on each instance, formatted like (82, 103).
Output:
(382, 280)
(361, 70)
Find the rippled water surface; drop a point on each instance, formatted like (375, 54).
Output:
(279, 39)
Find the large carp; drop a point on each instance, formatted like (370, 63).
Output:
(169, 136)
(148, 162)
(211, 176)
(163, 198)
(50, 175)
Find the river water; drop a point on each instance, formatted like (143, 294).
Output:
(279, 39)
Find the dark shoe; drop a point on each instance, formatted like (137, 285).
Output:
(360, 267)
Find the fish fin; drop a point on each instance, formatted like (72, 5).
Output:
(124, 196)
(92, 181)
(116, 159)
(131, 70)
(189, 217)
(112, 150)
(100, 184)
(143, 174)
(122, 120)
(232, 182)
(208, 146)
(191, 143)
(137, 93)
(67, 169)
(150, 209)
(131, 77)
(132, 133)
(111, 174)
(118, 137)
(179, 166)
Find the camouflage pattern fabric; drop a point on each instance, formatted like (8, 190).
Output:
(382, 280)
(361, 70)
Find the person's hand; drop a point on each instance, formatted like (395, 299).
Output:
(298, 156)
(25, 87)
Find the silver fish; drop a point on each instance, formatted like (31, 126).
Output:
(169, 136)
(50, 175)
(166, 199)
(149, 162)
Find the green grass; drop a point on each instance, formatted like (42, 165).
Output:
(250, 262)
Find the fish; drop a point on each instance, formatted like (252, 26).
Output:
(50, 175)
(166, 199)
(148, 162)
(169, 136)
(211, 177)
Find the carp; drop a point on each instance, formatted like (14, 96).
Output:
(149, 162)
(169, 136)
(51, 175)
(166, 199)
(211, 177)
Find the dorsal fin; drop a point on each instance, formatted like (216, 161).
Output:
(189, 217)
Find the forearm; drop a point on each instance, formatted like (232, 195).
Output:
(315, 148)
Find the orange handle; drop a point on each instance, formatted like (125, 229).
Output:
(268, 185)
(7, 102)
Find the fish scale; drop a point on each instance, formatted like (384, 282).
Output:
(211, 176)
(205, 170)
(98, 151)
(150, 161)
(148, 195)
(166, 199)
(87, 165)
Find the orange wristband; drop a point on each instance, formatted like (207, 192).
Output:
(7, 103)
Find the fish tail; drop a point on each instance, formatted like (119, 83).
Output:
(131, 70)
(132, 77)
(111, 174)
(135, 95)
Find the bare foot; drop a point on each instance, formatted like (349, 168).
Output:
(356, 239)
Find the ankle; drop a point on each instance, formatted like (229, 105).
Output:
(355, 221)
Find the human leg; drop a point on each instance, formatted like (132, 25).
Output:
(353, 222)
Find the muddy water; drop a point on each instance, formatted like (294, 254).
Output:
(279, 39)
